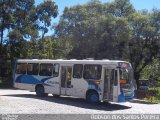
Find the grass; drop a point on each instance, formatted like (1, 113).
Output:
(152, 99)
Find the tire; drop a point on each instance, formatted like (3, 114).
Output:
(40, 91)
(56, 95)
(92, 97)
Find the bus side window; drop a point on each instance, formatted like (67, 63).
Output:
(77, 71)
(46, 69)
(92, 71)
(32, 68)
(56, 70)
(21, 68)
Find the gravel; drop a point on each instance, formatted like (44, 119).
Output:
(14, 101)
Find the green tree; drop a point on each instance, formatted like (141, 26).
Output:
(143, 43)
(79, 25)
(121, 8)
(6, 14)
(94, 31)
(23, 20)
(45, 12)
(114, 30)
(151, 72)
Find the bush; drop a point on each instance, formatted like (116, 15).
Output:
(5, 82)
(153, 95)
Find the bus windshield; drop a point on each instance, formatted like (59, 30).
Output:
(124, 75)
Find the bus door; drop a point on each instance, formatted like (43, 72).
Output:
(66, 77)
(110, 84)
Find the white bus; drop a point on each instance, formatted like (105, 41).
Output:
(93, 80)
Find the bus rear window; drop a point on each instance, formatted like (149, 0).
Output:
(92, 72)
(46, 69)
(21, 68)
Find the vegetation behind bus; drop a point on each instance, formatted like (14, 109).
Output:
(151, 95)
(99, 30)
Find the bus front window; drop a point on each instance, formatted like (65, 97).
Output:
(124, 76)
(126, 80)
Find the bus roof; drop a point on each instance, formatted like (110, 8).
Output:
(105, 61)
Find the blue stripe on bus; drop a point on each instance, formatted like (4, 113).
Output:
(31, 80)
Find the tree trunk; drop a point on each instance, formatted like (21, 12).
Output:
(1, 43)
(136, 76)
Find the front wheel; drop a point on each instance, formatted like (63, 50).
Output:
(92, 97)
(40, 91)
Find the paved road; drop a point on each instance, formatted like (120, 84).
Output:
(21, 101)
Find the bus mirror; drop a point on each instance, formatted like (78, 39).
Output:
(122, 81)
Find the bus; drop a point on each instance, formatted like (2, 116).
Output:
(93, 80)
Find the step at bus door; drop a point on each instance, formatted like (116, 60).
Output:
(110, 84)
(66, 77)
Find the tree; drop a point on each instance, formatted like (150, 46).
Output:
(151, 72)
(23, 20)
(93, 31)
(114, 30)
(79, 24)
(45, 12)
(121, 8)
(143, 43)
(6, 14)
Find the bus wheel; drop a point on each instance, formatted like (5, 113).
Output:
(92, 97)
(40, 91)
(56, 95)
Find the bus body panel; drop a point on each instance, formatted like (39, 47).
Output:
(29, 82)
(24, 86)
(80, 86)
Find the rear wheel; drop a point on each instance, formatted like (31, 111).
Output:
(92, 97)
(55, 95)
(40, 91)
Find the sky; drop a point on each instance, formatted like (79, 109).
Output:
(138, 5)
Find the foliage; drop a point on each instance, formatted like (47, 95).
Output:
(45, 12)
(90, 27)
(112, 31)
(20, 22)
(151, 71)
(153, 95)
